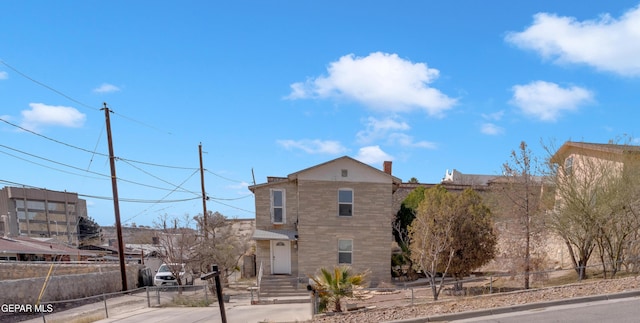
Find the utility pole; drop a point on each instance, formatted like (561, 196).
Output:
(116, 205)
(204, 196)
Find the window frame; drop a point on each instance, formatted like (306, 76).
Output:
(273, 207)
(349, 252)
(568, 165)
(346, 203)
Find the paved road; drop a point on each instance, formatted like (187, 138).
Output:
(617, 310)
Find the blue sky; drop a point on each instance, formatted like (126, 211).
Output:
(280, 86)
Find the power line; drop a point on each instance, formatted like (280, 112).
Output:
(160, 179)
(49, 167)
(49, 160)
(230, 199)
(83, 170)
(76, 101)
(93, 152)
(48, 87)
(132, 200)
(145, 210)
(225, 178)
(138, 200)
(234, 207)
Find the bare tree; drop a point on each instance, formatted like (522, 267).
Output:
(224, 246)
(596, 203)
(521, 190)
(177, 243)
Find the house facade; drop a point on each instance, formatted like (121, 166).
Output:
(336, 213)
(574, 156)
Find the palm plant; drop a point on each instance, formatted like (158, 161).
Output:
(333, 286)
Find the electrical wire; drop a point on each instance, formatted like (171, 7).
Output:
(225, 178)
(131, 200)
(93, 152)
(87, 171)
(230, 199)
(48, 87)
(160, 179)
(145, 210)
(138, 200)
(233, 207)
(49, 167)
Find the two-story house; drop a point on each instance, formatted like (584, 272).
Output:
(336, 213)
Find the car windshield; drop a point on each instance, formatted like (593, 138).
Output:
(164, 268)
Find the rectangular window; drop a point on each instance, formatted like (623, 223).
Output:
(568, 165)
(345, 202)
(345, 252)
(278, 206)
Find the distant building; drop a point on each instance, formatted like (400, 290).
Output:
(40, 213)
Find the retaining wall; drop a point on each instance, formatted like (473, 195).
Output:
(96, 280)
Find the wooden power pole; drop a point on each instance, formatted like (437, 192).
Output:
(205, 227)
(116, 204)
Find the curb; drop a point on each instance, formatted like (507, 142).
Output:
(518, 308)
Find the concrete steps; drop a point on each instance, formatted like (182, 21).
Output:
(282, 289)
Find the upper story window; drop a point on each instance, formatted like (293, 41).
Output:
(345, 202)
(568, 165)
(278, 206)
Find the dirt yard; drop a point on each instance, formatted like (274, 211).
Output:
(395, 305)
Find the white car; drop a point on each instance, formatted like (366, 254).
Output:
(164, 276)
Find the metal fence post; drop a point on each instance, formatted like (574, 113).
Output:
(412, 297)
(206, 294)
(148, 298)
(106, 312)
(491, 284)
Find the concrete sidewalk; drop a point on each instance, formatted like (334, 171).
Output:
(134, 308)
(240, 313)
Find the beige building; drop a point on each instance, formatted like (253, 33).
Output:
(335, 213)
(574, 156)
(39, 213)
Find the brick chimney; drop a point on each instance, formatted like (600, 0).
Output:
(387, 167)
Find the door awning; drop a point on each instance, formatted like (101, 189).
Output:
(275, 235)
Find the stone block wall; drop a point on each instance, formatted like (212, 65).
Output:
(65, 286)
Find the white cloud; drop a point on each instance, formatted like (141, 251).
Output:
(372, 155)
(546, 101)
(3, 75)
(106, 88)
(380, 81)
(314, 146)
(491, 129)
(408, 141)
(497, 116)
(606, 43)
(390, 130)
(379, 128)
(49, 115)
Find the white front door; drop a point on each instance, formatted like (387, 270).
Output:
(280, 257)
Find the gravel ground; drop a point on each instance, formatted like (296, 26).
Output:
(388, 312)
